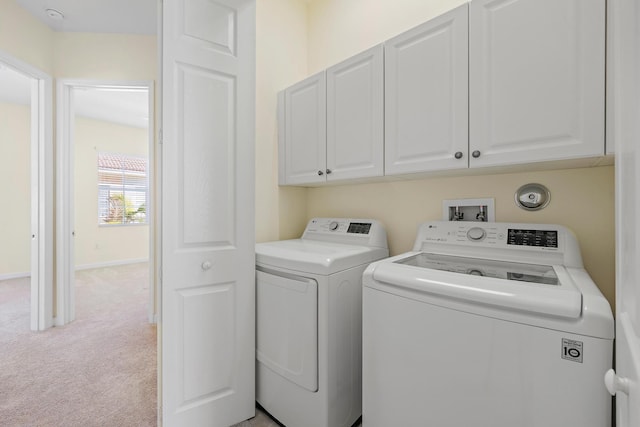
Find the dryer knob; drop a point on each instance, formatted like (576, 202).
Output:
(333, 226)
(476, 233)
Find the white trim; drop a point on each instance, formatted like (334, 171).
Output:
(10, 276)
(111, 263)
(64, 227)
(41, 191)
(64, 212)
(152, 203)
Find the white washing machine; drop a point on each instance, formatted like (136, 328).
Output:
(488, 325)
(309, 321)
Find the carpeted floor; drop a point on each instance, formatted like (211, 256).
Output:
(99, 370)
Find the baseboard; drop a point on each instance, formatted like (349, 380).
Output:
(15, 275)
(111, 263)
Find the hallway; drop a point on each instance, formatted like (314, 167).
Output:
(98, 370)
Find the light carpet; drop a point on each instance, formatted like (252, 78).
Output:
(99, 370)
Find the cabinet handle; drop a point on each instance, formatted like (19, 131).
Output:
(458, 155)
(328, 171)
(320, 173)
(476, 154)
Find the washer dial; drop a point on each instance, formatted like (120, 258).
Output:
(476, 234)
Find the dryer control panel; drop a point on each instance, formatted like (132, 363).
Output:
(365, 232)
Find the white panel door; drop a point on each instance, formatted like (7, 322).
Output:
(208, 235)
(536, 80)
(305, 131)
(626, 26)
(355, 116)
(426, 96)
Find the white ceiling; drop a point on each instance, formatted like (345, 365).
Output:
(124, 106)
(97, 16)
(15, 88)
(128, 107)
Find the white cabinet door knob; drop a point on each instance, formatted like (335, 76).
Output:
(206, 265)
(615, 383)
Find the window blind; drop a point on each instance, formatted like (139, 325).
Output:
(123, 189)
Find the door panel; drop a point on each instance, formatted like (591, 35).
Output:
(626, 27)
(207, 189)
(208, 237)
(536, 80)
(305, 131)
(355, 116)
(426, 96)
(207, 367)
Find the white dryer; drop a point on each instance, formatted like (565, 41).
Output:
(488, 325)
(309, 321)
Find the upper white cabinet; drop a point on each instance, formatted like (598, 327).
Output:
(333, 123)
(536, 80)
(490, 83)
(304, 141)
(355, 117)
(426, 96)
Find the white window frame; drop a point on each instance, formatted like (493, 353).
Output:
(122, 187)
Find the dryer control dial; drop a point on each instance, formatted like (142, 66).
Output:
(333, 226)
(476, 233)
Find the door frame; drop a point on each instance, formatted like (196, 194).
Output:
(65, 262)
(41, 165)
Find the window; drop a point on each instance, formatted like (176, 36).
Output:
(123, 189)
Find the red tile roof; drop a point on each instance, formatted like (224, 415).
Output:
(121, 162)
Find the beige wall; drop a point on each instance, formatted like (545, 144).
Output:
(76, 55)
(582, 199)
(105, 56)
(281, 60)
(341, 28)
(96, 245)
(15, 193)
(24, 37)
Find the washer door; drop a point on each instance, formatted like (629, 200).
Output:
(287, 326)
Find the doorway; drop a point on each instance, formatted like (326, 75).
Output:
(25, 94)
(105, 176)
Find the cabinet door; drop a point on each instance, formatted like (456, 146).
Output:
(426, 96)
(355, 114)
(305, 131)
(536, 80)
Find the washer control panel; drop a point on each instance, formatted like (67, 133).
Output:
(492, 234)
(547, 244)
